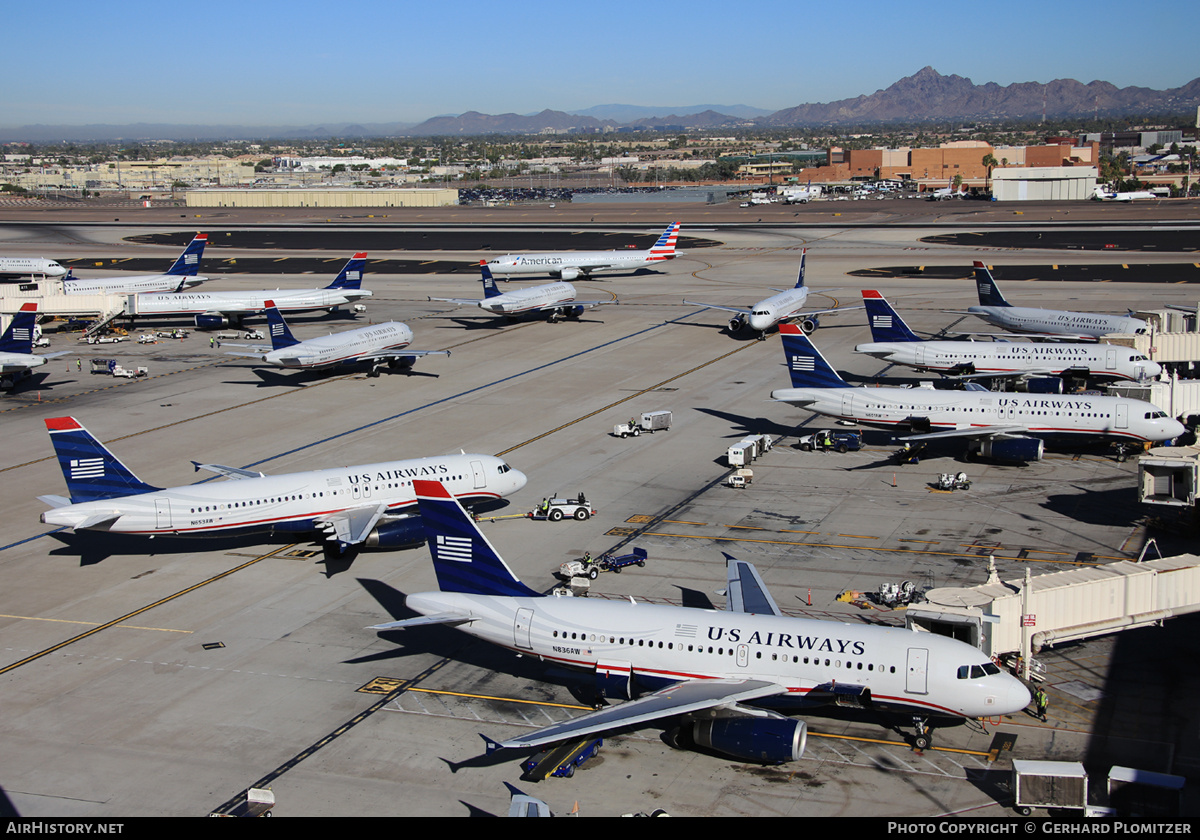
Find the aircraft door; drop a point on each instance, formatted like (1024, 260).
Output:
(920, 354)
(521, 627)
(848, 404)
(918, 671)
(162, 513)
(477, 474)
(1110, 359)
(1122, 415)
(743, 656)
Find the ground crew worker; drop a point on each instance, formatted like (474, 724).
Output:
(1041, 701)
(211, 341)
(79, 364)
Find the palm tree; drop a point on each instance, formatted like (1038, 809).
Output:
(989, 160)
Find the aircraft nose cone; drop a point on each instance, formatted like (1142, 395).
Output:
(518, 479)
(1018, 696)
(1173, 429)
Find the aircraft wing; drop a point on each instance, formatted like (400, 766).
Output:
(1006, 374)
(718, 306)
(586, 304)
(228, 472)
(351, 527)
(461, 301)
(975, 431)
(386, 355)
(746, 592)
(804, 312)
(677, 699)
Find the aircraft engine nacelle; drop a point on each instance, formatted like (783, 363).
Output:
(810, 324)
(773, 740)
(404, 363)
(1044, 385)
(574, 311)
(736, 323)
(1016, 450)
(212, 322)
(569, 273)
(399, 533)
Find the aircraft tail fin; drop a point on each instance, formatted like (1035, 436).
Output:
(92, 472)
(18, 338)
(664, 248)
(350, 277)
(885, 324)
(989, 292)
(806, 365)
(489, 282)
(463, 559)
(188, 263)
(800, 276)
(281, 334)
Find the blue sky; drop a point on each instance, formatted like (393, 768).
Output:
(304, 63)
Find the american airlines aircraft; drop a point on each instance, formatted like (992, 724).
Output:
(568, 265)
(16, 345)
(771, 311)
(380, 344)
(557, 300)
(997, 311)
(894, 342)
(1006, 426)
(30, 267)
(214, 310)
(372, 505)
(716, 669)
(181, 275)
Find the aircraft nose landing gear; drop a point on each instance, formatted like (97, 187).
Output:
(924, 737)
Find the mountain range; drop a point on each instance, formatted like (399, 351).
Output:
(925, 96)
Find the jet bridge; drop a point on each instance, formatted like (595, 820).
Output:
(1040, 611)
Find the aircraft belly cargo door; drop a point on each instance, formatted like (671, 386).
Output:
(521, 626)
(918, 664)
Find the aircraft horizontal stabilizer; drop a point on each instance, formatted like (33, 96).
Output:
(678, 699)
(96, 520)
(55, 501)
(228, 472)
(440, 618)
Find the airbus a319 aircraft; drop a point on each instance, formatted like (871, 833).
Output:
(555, 300)
(567, 265)
(372, 505)
(182, 274)
(377, 345)
(16, 345)
(786, 305)
(214, 310)
(894, 342)
(997, 311)
(1006, 426)
(717, 670)
(30, 267)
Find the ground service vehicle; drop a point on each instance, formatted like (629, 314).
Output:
(650, 421)
(557, 509)
(591, 569)
(827, 439)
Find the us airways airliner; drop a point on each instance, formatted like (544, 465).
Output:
(568, 265)
(555, 300)
(781, 307)
(16, 345)
(377, 345)
(182, 274)
(894, 342)
(213, 310)
(372, 505)
(994, 309)
(30, 267)
(718, 670)
(1007, 426)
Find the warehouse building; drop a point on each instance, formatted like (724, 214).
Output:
(323, 197)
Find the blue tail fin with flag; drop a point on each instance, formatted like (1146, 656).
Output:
(463, 559)
(489, 282)
(989, 292)
(806, 365)
(885, 324)
(92, 472)
(350, 277)
(18, 338)
(281, 334)
(188, 263)
(800, 277)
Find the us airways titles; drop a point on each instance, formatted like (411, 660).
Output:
(784, 640)
(1070, 405)
(410, 472)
